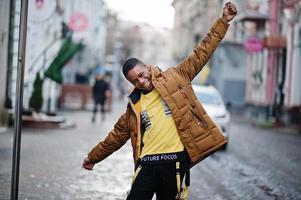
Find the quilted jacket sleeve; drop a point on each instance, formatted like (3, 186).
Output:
(193, 64)
(114, 140)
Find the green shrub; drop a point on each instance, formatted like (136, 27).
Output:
(36, 99)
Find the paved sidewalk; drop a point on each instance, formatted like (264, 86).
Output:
(51, 161)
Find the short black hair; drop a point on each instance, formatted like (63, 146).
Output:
(130, 64)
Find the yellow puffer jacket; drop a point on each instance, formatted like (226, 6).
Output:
(198, 133)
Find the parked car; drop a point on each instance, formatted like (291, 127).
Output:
(214, 105)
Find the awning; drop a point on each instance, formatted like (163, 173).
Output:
(66, 52)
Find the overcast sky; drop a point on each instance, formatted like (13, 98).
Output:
(155, 12)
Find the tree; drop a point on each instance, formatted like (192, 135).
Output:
(36, 99)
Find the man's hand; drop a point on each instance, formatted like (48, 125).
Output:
(229, 11)
(87, 164)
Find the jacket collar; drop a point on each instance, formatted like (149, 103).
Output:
(156, 72)
(135, 96)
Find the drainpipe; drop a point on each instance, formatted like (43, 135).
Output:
(278, 104)
(292, 12)
(272, 58)
(292, 25)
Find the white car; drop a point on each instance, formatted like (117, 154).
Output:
(214, 105)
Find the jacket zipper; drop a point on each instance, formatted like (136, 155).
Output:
(137, 149)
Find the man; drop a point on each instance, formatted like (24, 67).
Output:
(169, 129)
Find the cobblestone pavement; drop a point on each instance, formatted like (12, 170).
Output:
(258, 164)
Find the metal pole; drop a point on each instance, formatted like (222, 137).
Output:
(19, 101)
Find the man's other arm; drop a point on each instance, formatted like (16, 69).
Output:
(115, 140)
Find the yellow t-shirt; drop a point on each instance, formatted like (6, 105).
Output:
(160, 134)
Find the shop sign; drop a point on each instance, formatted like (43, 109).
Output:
(78, 22)
(253, 44)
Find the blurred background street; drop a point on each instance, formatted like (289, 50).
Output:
(250, 88)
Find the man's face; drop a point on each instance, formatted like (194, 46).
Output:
(140, 77)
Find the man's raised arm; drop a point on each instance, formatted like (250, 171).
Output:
(193, 64)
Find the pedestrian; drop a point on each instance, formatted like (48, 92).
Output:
(169, 130)
(99, 91)
(109, 92)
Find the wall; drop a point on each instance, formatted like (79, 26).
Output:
(4, 35)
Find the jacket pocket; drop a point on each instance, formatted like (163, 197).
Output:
(199, 119)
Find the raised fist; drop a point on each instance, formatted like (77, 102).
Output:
(229, 11)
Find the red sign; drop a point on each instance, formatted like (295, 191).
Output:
(78, 22)
(253, 44)
(39, 4)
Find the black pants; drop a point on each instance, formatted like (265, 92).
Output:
(102, 110)
(159, 179)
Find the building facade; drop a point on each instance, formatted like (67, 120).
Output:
(4, 41)
(47, 23)
(271, 32)
(292, 100)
